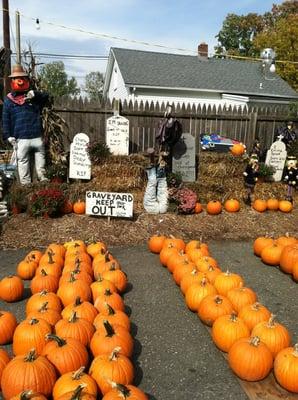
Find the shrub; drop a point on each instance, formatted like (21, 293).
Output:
(46, 202)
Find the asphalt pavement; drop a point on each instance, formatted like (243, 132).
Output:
(174, 355)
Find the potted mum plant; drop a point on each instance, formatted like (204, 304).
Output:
(265, 172)
(46, 202)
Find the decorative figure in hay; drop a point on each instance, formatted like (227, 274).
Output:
(156, 193)
(287, 134)
(291, 176)
(251, 177)
(22, 124)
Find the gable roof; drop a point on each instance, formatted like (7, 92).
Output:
(174, 71)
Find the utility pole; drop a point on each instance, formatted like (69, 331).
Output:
(18, 37)
(6, 45)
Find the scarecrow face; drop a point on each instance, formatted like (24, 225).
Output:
(292, 163)
(20, 84)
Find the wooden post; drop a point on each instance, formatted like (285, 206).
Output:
(253, 118)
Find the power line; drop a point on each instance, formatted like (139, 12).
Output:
(69, 56)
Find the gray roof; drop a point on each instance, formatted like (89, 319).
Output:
(153, 69)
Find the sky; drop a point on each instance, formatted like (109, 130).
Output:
(92, 27)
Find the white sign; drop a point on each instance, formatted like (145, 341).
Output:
(79, 161)
(276, 157)
(117, 135)
(109, 204)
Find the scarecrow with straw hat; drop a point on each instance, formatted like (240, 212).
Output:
(251, 174)
(291, 176)
(22, 124)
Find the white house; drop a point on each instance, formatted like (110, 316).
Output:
(176, 79)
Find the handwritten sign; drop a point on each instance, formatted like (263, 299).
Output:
(117, 135)
(276, 157)
(184, 158)
(109, 204)
(79, 161)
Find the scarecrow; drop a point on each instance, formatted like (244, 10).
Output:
(251, 177)
(156, 194)
(291, 176)
(287, 135)
(22, 125)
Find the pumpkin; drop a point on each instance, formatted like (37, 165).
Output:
(65, 354)
(4, 360)
(76, 328)
(113, 317)
(96, 248)
(285, 206)
(181, 269)
(129, 392)
(241, 296)
(105, 265)
(78, 264)
(212, 307)
(286, 368)
(214, 207)
(26, 269)
(176, 242)
(166, 252)
(77, 394)
(271, 254)
(75, 256)
(8, 324)
(198, 208)
(175, 259)
(260, 205)
(78, 274)
(155, 243)
(29, 395)
(79, 207)
(238, 149)
(194, 245)
(196, 293)
(260, 243)
(100, 286)
(45, 313)
(190, 277)
(232, 205)
(67, 207)
(288, 257)
(53, 255)
(107, 368)
(252, 314)
(250, 359)
(205, 262)
(118, 277)
(44, 281)
(70, 290)
(274, 335)
(11, 288)
(107, 337)
(272, 204)
(34, 255)
(226, 281)
(30, 334)
(212, 273)
(227, 329)
(83, 309)
(32, 371)
(286, 240)
(38, 299)
(112, 298)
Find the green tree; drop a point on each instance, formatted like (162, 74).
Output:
(54, 79)
(94, 85)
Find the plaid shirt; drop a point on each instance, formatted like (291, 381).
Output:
(23, 121)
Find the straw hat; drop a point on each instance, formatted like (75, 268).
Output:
(17, 71)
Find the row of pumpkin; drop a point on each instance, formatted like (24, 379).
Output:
(282, 252)
(240, 326)
(215, 207)
(75, 319)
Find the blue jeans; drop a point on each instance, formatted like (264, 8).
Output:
(24, 147)
(156, 193)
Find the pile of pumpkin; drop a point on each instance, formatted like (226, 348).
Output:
(75, 322)
(240, 326)
(282, 252)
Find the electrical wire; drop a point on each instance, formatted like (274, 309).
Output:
(69, 56)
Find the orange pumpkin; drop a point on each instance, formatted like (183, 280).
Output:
(286, 368)
(214, 207)
(288, 258)
(260, 243)
(197, 292)
(212, 307)
(198, 208)
(124, 392)
(240, 297)
(4, 360)
(285, 206)
(226, 281)
(155, 243)
(232, 205)
(286, 240)
(271, 254)
(26, 269)
(11, 288)
(259, 205)
(252, 314)
(79, 207)
(272, 204)
(238, 149)
(8, 324)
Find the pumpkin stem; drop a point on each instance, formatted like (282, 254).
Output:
(73, 317)
(77, 262)
(26, 394)
(43, 272)
(295, 352)
(50, 255)
(114, 354)
(111, 311)
(218, 300)
(78, 301)
(256, 306)
(272, 321)
(60, 341)
(204, 281)
(233, 317)
(255, 341)
(72, 277)
(113, 267)
(33, 321)
(107, 292)
(78, 391)
(109, 329)
(44, 307)
(78, 374)
(124, 391)
(44, 292)
(31, 356)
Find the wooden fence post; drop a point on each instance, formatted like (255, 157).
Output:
(253, 119)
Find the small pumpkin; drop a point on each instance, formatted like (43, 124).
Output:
(226, 281)
(4, 360)
(11, 288)
(260, 243)
(241, 296)
(212, 307)
(75, 328)
(214, 207)
(232, 205)
(288, 258)
(83, 309)
(272, 204)
(260, 205)
(250, 359)
(117, 317)
(38, 299)
(238, 149)
(112, 298)
(100, 286)
(79, 207)
(271, 254)
(69, 291)
(155, 243)
(286, 368)
(252, 314)
(128, 392)
(8, 324)
(26, 269)
(196, 293)
(44, 281)
(95, 248)
(198, 208)
(285, 206)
